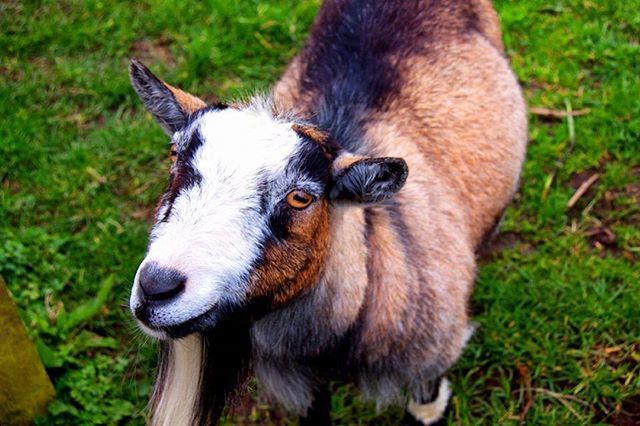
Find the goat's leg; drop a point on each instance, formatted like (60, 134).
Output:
(428, 404)
(319, 414)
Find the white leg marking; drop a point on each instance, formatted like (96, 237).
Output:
(469, 331)
(433, 411)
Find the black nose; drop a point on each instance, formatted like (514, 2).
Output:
(160, 283)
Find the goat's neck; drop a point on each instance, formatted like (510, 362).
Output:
(342, 286)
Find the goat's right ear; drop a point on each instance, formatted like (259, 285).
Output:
(168, 105)
(367, 180)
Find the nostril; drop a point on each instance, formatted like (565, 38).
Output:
(160, 283)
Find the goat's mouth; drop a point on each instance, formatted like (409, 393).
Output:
(159, 323)
(168, 304)
(201, 323)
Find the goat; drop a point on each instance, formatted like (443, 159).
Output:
(327, 232)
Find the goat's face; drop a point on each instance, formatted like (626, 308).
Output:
(244, 222)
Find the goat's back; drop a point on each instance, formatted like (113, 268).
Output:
(420, 79)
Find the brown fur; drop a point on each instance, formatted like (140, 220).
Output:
(289, 266)
(288, 91)
(489, 23)
(188, 102)
(312, 133)
(468, 143)
(387, 263)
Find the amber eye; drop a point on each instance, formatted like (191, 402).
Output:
(299, 199)
(173, 153)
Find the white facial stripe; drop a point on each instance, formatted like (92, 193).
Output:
(215, 228)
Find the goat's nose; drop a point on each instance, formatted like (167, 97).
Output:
(160, 283)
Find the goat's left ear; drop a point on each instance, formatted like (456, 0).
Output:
(367, 180)
(168, 105)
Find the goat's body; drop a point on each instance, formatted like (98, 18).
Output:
(426, 81)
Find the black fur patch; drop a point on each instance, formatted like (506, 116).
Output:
(351, 59)
(370, 180)
(157, 97)
(183, 176)
(319, 414)
(194, 116)
(226, 352)
(279, 221)
(311, 161)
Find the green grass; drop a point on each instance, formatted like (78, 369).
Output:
(558, 309)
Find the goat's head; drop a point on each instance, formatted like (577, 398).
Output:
(244, 223)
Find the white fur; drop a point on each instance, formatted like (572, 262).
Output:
(468, 333)
(433, 411)
(214, 229)
(180, 386)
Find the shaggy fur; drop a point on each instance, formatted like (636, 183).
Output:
(411, 129)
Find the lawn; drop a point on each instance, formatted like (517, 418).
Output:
(557, 300)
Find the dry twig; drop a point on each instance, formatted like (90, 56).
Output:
(525, 377)
(557, 113)
(582, 189)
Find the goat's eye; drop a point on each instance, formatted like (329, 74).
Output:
(299, 199)
(173, 153)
